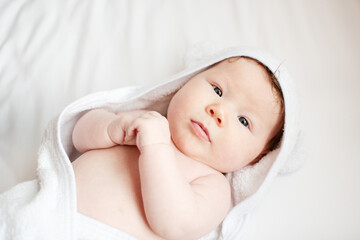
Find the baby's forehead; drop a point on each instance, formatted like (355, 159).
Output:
(240, 67)
(260, 67)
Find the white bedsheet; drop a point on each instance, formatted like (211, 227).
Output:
(53, 52)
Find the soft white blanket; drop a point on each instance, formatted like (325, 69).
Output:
(45, 208)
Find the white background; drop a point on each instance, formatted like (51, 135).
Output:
(53, 52)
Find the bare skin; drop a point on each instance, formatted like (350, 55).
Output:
(161, 178)
(108, 188)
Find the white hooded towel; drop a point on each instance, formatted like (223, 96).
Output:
(45, 208)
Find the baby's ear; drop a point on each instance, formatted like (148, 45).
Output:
(259, 157)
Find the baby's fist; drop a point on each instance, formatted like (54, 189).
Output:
(150, 128)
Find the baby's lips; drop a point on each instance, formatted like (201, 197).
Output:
(201, 131)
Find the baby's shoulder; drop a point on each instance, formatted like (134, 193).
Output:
(215, 191)
(213, 179)
(196, 171)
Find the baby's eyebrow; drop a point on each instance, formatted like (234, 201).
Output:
(223, 79)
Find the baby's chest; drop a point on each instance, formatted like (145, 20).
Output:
(109, 187)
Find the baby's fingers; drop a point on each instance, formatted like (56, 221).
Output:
(130, 136)
(116, 132)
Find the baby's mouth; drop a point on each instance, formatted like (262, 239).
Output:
(200, 131)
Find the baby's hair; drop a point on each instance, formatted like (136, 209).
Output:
(275, 140)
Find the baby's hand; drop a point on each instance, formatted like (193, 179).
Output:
(149, 129)
(142, 128)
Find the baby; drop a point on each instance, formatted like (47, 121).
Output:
(157, 177)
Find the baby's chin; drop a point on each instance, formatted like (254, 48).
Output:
(223, 164)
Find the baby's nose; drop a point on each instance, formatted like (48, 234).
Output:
(216, 113)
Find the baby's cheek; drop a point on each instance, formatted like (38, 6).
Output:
(235, 155)
(177, 137)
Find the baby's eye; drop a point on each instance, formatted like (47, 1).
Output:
(243, 121)
(217, 90)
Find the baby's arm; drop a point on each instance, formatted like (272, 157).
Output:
(99, 128)
(90, 131)
(175, 208)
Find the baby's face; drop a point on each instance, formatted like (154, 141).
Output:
(225, 115)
